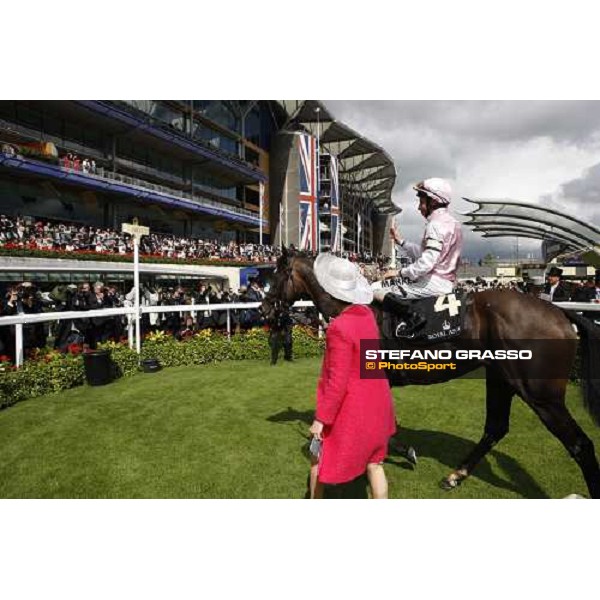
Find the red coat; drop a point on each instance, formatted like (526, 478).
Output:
(358, 413)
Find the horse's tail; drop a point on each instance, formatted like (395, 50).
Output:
(589, 349)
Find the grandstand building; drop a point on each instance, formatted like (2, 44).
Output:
(247, 171)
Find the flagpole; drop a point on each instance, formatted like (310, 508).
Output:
(285, 195)
(318, 180)
(393, 249)
(261, 191)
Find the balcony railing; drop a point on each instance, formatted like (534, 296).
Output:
(144, 186)
(161, 189)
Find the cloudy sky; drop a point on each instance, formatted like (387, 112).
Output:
(543, 152)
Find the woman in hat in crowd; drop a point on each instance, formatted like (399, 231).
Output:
(354, 417)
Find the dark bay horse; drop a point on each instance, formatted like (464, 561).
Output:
(494, 319)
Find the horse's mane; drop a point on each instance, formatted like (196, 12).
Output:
(302, 254)
(326, 302)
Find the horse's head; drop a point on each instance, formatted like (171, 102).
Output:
(294, 279)
(287, 284)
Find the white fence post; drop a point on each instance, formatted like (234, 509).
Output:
(19, 344)
(130, 331)
(228, 324)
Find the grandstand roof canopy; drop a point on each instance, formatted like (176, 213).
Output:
(509, 218)
(365, 167)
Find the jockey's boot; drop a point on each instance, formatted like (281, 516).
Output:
(403, 309)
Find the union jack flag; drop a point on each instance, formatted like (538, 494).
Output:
(309, 228)
(335, 205)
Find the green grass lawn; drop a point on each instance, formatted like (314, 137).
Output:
(236, 430)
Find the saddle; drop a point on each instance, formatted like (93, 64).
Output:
(438, 318)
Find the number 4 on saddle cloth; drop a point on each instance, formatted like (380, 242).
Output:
(438, 318)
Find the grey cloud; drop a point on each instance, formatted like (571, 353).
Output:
(585, 188)
(564, 121)
(581, 196)
(437, 138)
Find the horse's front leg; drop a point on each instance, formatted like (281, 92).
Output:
(498, 402)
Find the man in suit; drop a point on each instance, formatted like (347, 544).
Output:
(280, 334)
(555, 288)
(585, 292)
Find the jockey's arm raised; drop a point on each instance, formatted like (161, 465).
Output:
(425, 257)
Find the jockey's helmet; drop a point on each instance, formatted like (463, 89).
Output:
(437, 189)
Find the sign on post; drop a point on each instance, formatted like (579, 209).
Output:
(136, 231)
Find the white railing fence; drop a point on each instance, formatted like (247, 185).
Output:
(19, 320)
(28, 319)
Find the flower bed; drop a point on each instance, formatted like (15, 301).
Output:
(48, 371)
(11, 249)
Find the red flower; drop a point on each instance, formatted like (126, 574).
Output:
(75, 349)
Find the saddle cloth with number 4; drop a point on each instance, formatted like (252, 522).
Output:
(440, 318)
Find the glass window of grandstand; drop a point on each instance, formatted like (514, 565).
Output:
(52, 125)
(73, 132)
(29, 115)
(8, 110)
(251, 197)
(169, 116)
(251, 156)
(252, 126)
(206, 182)
(215, 138)
(218, 111)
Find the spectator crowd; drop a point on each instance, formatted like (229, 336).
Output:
(38, 234)
(74, 163)
(27, 298)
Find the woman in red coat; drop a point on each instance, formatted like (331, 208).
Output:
(354, 416)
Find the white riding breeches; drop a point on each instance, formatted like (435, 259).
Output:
(427, 286)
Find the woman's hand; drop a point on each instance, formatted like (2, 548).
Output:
(317, 429)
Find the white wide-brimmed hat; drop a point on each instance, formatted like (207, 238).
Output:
(342, 279)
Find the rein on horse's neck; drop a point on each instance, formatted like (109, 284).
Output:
(328, 306)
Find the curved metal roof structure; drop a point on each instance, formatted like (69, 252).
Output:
(367, 170)
(508, 218)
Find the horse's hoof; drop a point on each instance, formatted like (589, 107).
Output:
(453, 480)
(448, 484)
(411, 455)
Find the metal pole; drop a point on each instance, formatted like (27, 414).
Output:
(318, 182)
(285, 195)
(19, 344)
(228, 324)
(136, 283)
(261, 189)
(393, 242)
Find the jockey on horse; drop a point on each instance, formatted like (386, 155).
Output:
(433, 272)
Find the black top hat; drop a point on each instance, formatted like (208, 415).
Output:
(555, 272)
